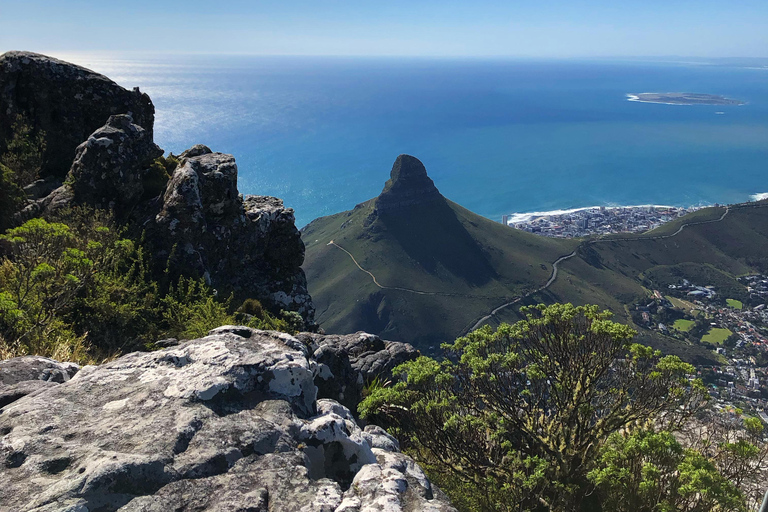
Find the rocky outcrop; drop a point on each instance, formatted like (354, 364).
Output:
(408, 185)
(109, 167)
(23, 376)
(226, 422)
(65, 101)
(249, 246)
(349, 362)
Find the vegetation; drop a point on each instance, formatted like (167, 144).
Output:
(24, 152)
(735, 304)
(716, 336)
(11, 197)
(683, 325)
(73, 288)
(560, 411)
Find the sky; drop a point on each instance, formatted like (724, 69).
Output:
(444, 28)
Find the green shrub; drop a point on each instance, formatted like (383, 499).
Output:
(12, 198)
(24, 152)
(515, 419)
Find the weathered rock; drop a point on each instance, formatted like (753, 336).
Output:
(20, 369)
(226, 422)
(109, 167)
(247, 246)
(346, 363)
(408, 185)
(22, 376)
(66, 101)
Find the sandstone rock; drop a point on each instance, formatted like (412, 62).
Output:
(226, 422)
(247, 246)
(109, 166)
(26, 368)
(408, 185)
(22, 376)
(347, 362)
(66, 101)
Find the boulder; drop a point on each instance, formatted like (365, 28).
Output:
(226, 422)
(66, 101)
(22, 376)
(109, 167)
(247, 246)
(346, 363)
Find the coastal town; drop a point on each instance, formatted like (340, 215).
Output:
(599, 220)
(735, 330)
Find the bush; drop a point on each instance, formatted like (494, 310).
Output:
(24, 152)
(12, 198)
(516, 419)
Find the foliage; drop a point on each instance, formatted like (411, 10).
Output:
(157, 176)
(647, 471)
(24, 152)
(73, 288)
(520, 416)
(11, 197)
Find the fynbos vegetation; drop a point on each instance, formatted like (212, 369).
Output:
(560, 411)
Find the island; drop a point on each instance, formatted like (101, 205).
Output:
(682, 98)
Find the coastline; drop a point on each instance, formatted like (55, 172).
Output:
(519, 217)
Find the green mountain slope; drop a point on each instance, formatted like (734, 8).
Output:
(440, 268)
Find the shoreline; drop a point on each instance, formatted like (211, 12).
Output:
(519, 217)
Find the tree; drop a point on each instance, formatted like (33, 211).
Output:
(516, 419)
(648, 471)
(24, 152)
(12, 198)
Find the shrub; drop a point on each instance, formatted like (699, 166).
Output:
(515, 419)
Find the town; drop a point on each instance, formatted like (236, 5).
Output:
(735, 329)
(599, 220)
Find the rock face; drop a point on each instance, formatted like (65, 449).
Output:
(408, 185)
(110, 165)
(23, 376)
(65, 101)
(348, 363)
(248, 246)
(229, 422)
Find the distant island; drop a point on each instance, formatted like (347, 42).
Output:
(682, 98)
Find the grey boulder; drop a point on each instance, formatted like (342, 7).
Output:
(226, 422)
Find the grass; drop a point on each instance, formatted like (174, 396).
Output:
(684, 305)
(482, 264)
(716, 336)
(735, 304)
(683, 325)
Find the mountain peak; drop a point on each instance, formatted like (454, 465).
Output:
(408, 185)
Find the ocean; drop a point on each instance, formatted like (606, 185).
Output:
(497, 136)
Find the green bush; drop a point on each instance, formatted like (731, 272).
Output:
(24, 152)
(517, 418)
(12, 198)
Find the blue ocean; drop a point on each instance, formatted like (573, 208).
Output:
(496, 136)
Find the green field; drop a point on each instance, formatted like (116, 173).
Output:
(683, 325)
(735, 304)
(716, 336)
(684, 305)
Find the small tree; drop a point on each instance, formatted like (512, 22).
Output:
(24, 152)
(515, 419)
(12, 197)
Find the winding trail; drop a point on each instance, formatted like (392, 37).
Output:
(555, 264)
(410, 290)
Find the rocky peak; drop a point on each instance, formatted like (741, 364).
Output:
(408, 185)
(66, 101)
(249, 246)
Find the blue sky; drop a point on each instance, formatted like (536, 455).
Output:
(482, 28)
